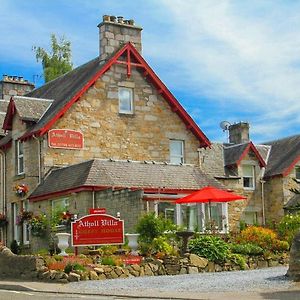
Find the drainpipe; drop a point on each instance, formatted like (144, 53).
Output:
(3, 190)
(263, 201)
(93, 198)
(39, 141)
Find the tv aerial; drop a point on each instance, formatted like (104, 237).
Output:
(225, 127)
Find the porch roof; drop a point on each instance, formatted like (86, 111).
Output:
(100, 174)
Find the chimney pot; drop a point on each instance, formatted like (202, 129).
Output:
(113, 19)
(120, 20)
(131, 22)
(106, 18)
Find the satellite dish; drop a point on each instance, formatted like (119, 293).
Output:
(225, 125)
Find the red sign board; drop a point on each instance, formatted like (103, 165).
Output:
(97, 211)
(131, 259)
(65, 138)
(97, 229)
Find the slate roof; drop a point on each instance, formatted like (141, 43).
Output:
(3, 110)
(293, 203)
(31, 109)
(233, 153)
(63, 88)
(283, 154)
(124, 174)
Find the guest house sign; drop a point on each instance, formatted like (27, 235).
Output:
(65, 138)
(97, 229)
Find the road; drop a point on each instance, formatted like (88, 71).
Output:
(29, 295)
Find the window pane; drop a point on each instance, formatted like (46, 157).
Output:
(125, 100)
(20, 148)
(248, 171)
(297, 172)
(176, 152)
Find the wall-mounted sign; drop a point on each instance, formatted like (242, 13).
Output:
(97, 229)
(65, 138)
(97, 211)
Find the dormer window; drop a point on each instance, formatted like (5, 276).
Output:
(125, 100)
(248, 177)
(297, 171)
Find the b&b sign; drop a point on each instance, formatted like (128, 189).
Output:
(97, 229)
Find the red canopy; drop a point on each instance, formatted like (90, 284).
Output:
(209, 194)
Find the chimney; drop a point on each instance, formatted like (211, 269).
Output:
(239, 133)
(114, 32)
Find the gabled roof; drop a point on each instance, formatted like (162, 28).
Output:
(6, 141)
(28, 108)
(233, 155)
(98, 174)
(284, 155)
(68, 88)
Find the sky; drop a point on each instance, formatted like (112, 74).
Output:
(222, 59)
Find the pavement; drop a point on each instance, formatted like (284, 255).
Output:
(44, 287)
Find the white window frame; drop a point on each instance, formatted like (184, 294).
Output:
(225, 223)
(16, 232)
(20, 158)
(25, 225)
(249, 188)
(130, 101)
(174, 157)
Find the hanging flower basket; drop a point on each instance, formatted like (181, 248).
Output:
(21, 190)
(24, 216)
(38, 225)
(3, 220)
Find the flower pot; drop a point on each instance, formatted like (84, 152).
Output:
(132, 242)
(63, 242)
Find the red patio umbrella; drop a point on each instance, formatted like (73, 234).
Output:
(209, 194)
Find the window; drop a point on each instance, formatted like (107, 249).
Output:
(19, 158)
(26, 228)
(125, 100)
(248, 177)
(297, 170)
(176, 152)
(60, 204)
(167, 210)
(16, 227)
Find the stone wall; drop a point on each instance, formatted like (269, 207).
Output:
(23, 267)
(143, 135)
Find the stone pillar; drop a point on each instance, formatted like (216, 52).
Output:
(294, 264)
(239, 133)
(114, 32)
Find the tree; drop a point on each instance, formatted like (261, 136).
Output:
(58, 61)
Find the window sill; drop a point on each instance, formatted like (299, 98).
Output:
(252, 189)
(126, 114)
(19, 176)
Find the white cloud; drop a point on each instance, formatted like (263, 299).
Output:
(245, 57)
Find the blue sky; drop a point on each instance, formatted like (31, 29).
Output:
(223, 60)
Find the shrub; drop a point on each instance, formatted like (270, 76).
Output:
(288, 227)
(246, 249)
(70, 267)
(211, 247)
(263, 237)
(15, 247)
(237, 259)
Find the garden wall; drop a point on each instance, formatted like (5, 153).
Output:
(33, 268)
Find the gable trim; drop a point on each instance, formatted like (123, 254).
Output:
(148, 73)
(291, 166)
(251, 146)
(11, 110)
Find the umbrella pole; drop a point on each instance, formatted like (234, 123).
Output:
(210, 219)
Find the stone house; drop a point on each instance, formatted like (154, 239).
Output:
(267, 174)
(111, 134)
(107, 134)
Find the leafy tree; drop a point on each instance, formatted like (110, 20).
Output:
(56, 62)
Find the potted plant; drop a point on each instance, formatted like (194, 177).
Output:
(38, 225)
(21, 189)
(24, 216)
(3, 220)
